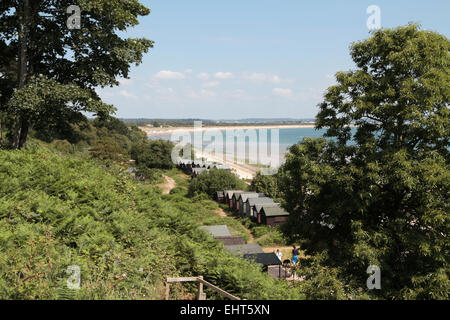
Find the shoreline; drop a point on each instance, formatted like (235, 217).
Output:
(151, 131)
(242, 170)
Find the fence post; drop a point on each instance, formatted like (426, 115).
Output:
(200, 294)
(167, 290)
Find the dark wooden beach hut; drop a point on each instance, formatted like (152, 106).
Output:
(272, 216)
(243, 200)
(252, 202)
(229, 197)
(265, 259)
(220, 196)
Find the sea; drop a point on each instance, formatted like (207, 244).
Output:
(261, 140)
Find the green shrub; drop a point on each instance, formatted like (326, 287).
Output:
(57, 211)
(209, 182)
(62, 145)
(153, 154)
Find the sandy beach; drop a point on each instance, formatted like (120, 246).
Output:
(242, 170)
(151, 131)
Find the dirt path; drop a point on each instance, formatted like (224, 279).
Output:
(168, 185)
(223, 214)
(251, 239)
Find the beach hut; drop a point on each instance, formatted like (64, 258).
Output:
(272, 216)
(220, 196)
(266, 259)
(217, 231)
(254, 205)
(222, 233)
(229, 197)
(235, 200)
(243, 200)
(243, 249)
(231, 240)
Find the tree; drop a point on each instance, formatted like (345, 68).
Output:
(380, 196)
(266, 184)
(153, 154)
(51, 58)
(209, 182)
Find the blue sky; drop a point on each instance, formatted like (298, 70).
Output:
(230, 59)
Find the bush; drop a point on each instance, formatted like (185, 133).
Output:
(153, 154)
(209, 182)
(62, 146)
(273, 238)
(57, 211)
(266, 184)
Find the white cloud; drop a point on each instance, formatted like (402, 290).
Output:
(210, 84)
(203, 76)
(126, 94)
(124, 82)
(223, 75)
(239, 94)
(169, 75)
(188, 71)
(261, 77)
(329, 76)
(282, 92)
(201, 94)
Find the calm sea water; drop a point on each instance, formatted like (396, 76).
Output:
(286, 138)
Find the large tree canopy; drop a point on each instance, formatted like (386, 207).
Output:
(43, 56)
(380, 196)
(398, 95)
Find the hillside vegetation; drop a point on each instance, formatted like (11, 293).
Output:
(58, 210)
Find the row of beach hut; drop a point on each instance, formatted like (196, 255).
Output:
(195, 167)
(250, 251)
(253, 205)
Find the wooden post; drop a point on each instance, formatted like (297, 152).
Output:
(167, 290)
(200, 289)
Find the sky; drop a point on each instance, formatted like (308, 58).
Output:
(235, 59)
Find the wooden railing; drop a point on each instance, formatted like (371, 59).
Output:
(200, 294)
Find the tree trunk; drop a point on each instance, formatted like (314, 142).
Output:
(23, 132)
(21, 127)
(1, 131)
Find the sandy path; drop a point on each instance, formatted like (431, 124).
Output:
(168, 185)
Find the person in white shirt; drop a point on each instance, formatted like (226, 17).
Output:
(279, 254)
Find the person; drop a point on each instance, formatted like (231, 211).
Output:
(295, 254)
(279, 254)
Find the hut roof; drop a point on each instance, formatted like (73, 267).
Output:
(260, 200)
(220, 193)
(244, 196)
(242, 249)
(238, 194)
(217, 231)
(274, 211)
(266, 259)
(230, 193)
(259, 206)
